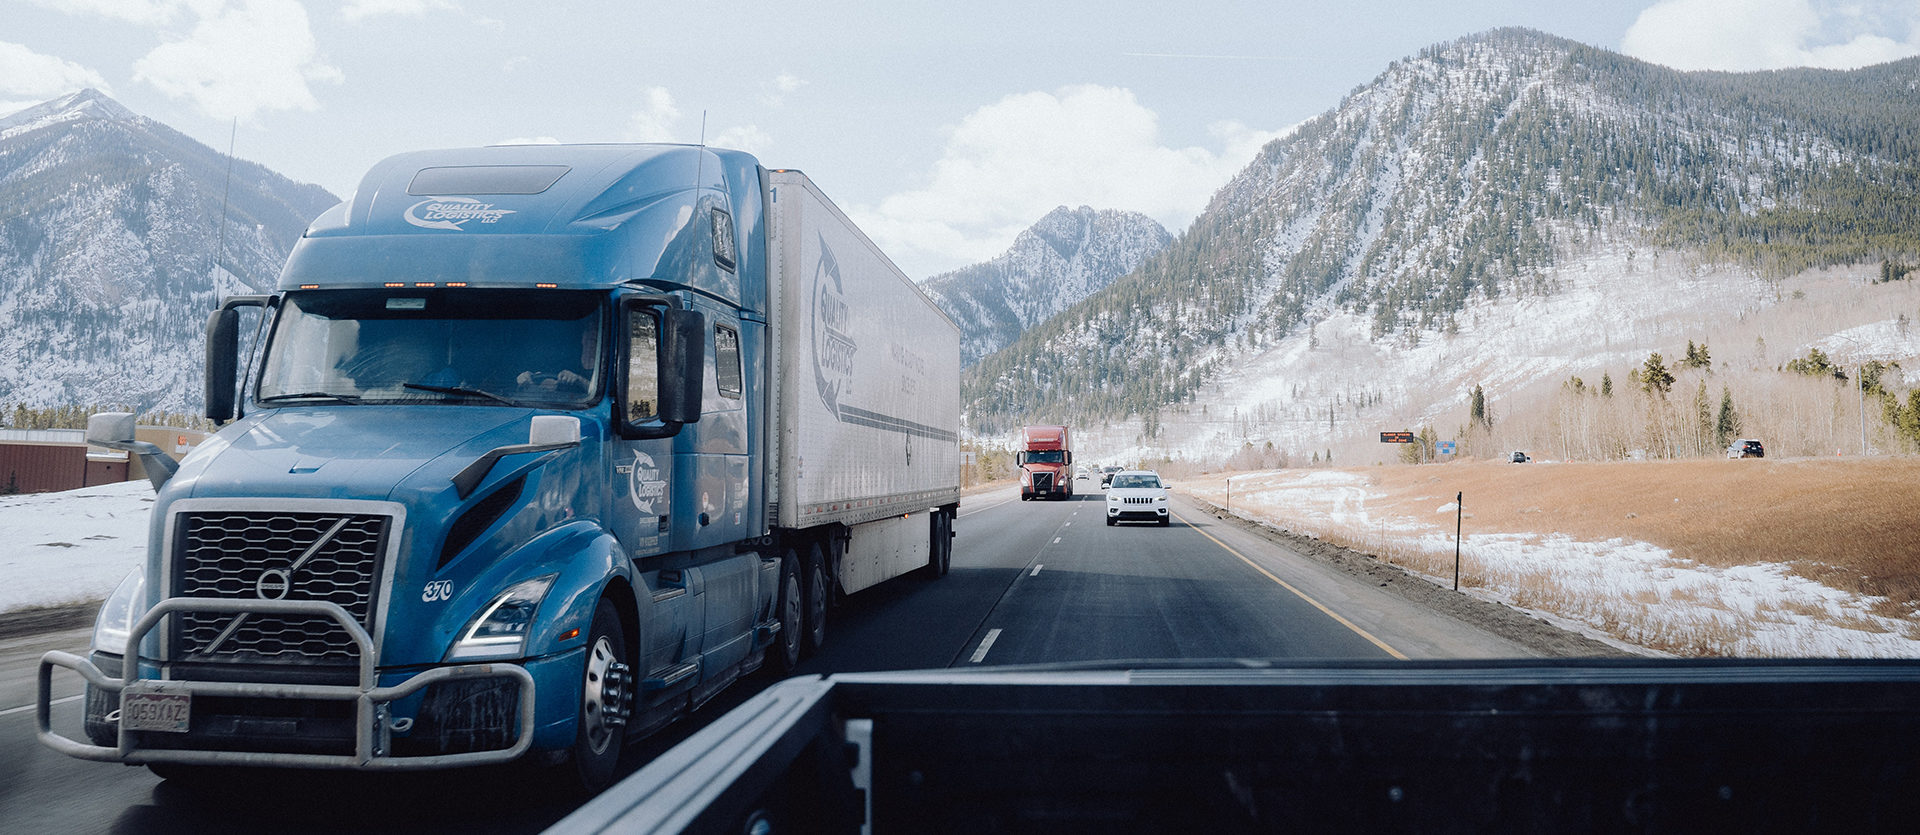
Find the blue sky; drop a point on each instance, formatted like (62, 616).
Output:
(942, 131)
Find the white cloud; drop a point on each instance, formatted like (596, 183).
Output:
(1747, 35)
(359, 10)
(783, 84)
(749, 138)
(1009, 163)
(655, 119)
(24, 72)
(142, 12)
(658, 120)
(240, 60)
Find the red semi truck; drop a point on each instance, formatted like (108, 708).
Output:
(1046, 463)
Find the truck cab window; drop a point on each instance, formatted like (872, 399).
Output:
(643, 367)
(436, 347)
(726, 359)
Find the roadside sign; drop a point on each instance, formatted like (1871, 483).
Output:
(1396, 437)
(1444, 447)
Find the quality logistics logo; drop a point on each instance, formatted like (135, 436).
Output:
(452, 213)
(833, 346)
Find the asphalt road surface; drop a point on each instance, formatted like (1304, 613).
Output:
(1031, 582)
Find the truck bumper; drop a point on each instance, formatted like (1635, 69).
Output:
(371, 730)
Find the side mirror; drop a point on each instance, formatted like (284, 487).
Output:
(223, 364)
(662, 367)
(112, 430)
(683, 365)
(549, 430)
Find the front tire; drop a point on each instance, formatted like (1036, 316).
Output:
(606, 698)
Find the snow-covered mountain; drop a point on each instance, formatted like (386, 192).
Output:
(110, 225)
(1472, 174)
(1067, 256)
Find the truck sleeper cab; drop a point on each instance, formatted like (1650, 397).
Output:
(508, 479)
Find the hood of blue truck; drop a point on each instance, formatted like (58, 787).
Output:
(347, 452)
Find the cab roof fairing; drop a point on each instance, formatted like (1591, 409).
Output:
(619, 213)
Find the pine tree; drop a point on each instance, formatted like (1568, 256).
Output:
(1727, 427)
(1654, 376)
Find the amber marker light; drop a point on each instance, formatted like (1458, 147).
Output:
(395, 284)
(423, 284)
(456, 284)
(570, 635)
(309, 286)
(546, 285)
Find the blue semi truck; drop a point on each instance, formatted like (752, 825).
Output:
(532, 449)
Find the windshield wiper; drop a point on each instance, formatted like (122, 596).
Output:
(460, 390)
(313, 395)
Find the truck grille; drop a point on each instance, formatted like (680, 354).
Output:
(264, 555)
(1042, 482)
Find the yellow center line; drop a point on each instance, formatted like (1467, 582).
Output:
(1297, 593)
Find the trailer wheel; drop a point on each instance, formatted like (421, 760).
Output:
(819, 592)
(606, 698)
(784, 655)
(940, 546)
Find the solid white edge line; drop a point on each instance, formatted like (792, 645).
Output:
(24, 708)
(985, 644)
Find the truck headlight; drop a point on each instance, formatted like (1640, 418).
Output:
(119, 613)
(500, 630)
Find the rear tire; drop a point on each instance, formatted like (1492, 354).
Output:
(819, 591)
(784, 655)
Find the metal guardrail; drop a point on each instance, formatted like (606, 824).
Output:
(372, 728)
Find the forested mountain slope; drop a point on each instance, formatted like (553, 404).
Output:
(1466, 173)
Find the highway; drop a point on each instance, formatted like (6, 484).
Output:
(1032, 582)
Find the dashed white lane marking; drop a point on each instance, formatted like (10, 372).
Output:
(24, 708)
(1035, 571)
(986, 643)
(1056, 540)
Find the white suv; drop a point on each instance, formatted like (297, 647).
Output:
(1137, 495)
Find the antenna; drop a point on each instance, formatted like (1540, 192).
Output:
(700, 164)
(220, 248)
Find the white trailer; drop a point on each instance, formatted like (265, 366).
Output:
(865, 413)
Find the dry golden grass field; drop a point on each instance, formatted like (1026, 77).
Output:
(1853, 524)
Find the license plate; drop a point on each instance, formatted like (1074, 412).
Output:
(166, 712)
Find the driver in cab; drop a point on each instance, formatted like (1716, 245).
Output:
(570, 380)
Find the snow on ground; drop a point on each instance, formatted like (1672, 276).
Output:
(71, 547)
(1630, 591)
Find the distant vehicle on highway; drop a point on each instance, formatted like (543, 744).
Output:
(1519, 457)
(1106, 475)
(1137, 496)
(1045, 458)
(1746, 448)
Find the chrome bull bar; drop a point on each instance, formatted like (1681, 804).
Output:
(373, 730)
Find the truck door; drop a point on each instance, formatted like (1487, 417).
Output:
(720, 479)
(642, 517)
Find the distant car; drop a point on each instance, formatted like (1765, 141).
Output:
(1106, 475)
(1520, 457)
(1137, 496)
(1746, 448)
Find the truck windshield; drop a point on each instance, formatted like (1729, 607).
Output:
(455, 346)
(1046, 456)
